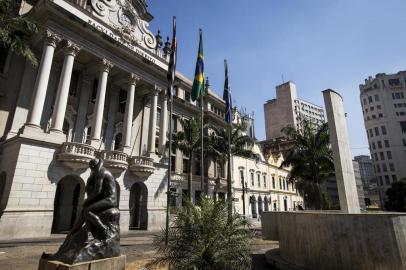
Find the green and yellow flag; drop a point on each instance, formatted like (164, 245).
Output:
(198, 82)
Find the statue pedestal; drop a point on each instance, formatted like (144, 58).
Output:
(115, 263)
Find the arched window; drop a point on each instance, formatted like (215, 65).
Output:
(118, 141)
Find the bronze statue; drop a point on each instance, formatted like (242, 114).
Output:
(99, 216)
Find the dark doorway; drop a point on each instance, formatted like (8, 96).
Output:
(260, 205)
(3, 178)
(138, 207)
(67, 204)
(253, 202)
(285, 204)
(266, 204)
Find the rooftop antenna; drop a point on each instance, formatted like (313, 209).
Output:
(283, 79)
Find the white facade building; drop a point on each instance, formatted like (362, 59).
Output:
(383, 101)
(288, 109)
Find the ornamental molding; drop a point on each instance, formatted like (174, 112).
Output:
(125, 21)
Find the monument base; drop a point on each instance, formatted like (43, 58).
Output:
(115, 263)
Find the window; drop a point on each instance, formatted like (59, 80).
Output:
(394, 82)
(378, 107)
(122, 100)
(174, 123)
(389, 154)
(387, 181)
(382, 155)
(252, 179)
(187, 96)
(158, 117)
(220, 169)
(380, 181)
(371, 134)
(365, 101)
(394, 178)
(380, 115)
(74, 83)
(259, 180)
(376, 97)
(387, 143)
(185, 164)
(384, 168)
(383, 129)
(280, 183)
(284, 184)
(403, 126)
(372, 108)
(376, 131)
(264, 177)
(378, 168)
(376, 156)
(391, 167)
(370, 99)
(379, 144)
(373, 146)
(242, 177)
(273, 182)
(94, 90)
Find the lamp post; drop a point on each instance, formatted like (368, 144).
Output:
(243, 195)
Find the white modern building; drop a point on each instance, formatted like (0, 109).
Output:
(288, 109)
(384, 108)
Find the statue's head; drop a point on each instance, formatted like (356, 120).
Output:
(95, 164)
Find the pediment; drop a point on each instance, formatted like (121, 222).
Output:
(128, 18)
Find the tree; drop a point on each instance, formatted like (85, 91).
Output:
(311, 161)
(202, 238)
(396, 194)
(240, 145)
(188, 141)
(16, 30)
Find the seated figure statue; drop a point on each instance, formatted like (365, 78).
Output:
(99, 217)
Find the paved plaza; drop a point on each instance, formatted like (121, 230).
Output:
(137, 246)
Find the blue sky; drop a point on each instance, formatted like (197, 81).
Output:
(318, 44)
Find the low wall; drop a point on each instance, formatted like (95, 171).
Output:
(317, 240)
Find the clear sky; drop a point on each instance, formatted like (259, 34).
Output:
(318, 44)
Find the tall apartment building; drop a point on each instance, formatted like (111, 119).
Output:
(369, 181)
(384, 108)
(288, 109)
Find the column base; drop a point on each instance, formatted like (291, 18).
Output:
(35, 132)
(96, 143)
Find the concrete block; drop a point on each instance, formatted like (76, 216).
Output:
(26, 165)
(39, 195)
(116, 263)
(31, 187)
(23, 179)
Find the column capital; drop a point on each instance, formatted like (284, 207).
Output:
(71, 48)
(106, 65)
(133, 79)
(51, 38)
(157, 89)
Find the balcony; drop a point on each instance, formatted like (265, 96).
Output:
(116, 161)
(142, 166)
(76, 155)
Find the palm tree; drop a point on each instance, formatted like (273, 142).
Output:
(311, 161)
(188, 141)
(16, 30)
(202, 238)
(396, 194)
(240, 145)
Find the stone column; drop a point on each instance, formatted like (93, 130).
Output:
(129, 112)
(41, 83)
(99, 105)
(347, 189)
(61, 100)
(163, 125)
(152, 121)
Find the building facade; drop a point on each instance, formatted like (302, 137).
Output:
(384, 109)
(99, 91)
(369, 181)
(288, 109)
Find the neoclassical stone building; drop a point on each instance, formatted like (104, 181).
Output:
(99, 91)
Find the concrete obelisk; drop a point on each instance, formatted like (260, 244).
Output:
(347, 189)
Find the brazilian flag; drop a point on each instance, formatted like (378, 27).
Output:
(198, 82)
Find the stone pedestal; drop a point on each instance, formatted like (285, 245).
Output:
(115, 263)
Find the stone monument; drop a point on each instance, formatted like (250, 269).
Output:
(344, 171)
(100, 218)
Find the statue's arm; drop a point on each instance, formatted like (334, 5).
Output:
(96, 191)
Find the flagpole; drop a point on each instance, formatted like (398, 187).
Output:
(171, 79)
(229, 126)
(202, 187)
(168, 195)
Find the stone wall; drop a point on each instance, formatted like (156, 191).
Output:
(338, 241)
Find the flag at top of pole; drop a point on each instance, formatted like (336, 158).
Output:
(227, 97)
(198, 82)
(172, 61)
